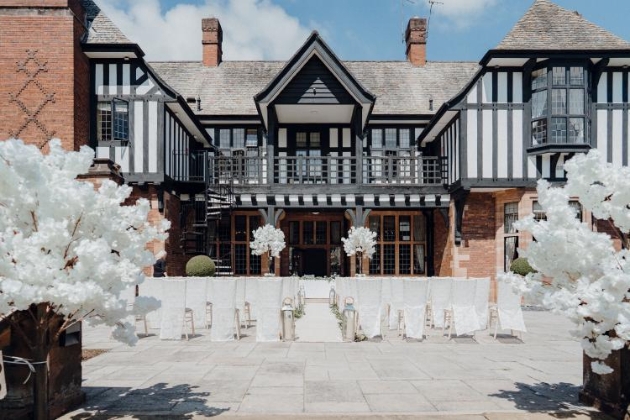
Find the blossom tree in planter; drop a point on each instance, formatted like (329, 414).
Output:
(68, 253)
(590, 279)
(269, 240)
(361, 241)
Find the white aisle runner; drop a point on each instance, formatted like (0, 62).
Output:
(318, 325)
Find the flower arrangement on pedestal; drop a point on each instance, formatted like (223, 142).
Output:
(269, 240)
(361, 241)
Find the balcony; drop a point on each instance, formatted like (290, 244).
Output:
(329, 170)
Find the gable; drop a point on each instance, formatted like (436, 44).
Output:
(314, 84)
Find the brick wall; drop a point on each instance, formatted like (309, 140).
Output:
(443, 246)
(52, 58)
(475, 256)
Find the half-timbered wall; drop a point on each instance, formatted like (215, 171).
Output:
(449, 148)
(491, 128)
(611, 122)
(181, 162)
(141, 156)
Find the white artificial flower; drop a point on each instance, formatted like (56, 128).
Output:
(360, 240)
(590, 279)
(267, 239)
(66, 244)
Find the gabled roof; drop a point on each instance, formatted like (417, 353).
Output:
(400, 88)
(102, 30)
(547, 26)
(315, 47)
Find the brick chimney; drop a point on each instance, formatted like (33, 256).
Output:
(212, 41)
(416, 40)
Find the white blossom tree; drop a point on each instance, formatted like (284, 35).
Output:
(361, 241)
(267, 240)
(589, 278)
(68, 252)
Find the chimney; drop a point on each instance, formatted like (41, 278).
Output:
(212, 40)
(416, 40)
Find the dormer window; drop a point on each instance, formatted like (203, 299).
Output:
(559, 106)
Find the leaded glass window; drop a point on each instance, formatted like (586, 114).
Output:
(559, 105)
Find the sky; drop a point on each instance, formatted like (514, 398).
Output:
(459, 30)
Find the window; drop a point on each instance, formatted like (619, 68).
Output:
(230, 247)
(400, 243)
(390, 138)
(510, 241)
(510, 215)
(539, 213)
(112, 120)
(236, 138)
(559, 105)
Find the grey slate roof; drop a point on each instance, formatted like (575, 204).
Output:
(400, 88)
(547, 26)
(102, 30)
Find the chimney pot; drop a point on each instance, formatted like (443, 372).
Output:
(212, 41)
(416, 41)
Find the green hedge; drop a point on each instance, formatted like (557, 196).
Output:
(200, 266)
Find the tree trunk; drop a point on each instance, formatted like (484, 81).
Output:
(40, 354)
(40, 391)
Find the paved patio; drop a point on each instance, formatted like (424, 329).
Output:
(464, 378)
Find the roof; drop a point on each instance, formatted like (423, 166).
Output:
(547, 26)
(102, 30)
(399, 87)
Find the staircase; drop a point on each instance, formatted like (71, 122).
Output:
(199, 218)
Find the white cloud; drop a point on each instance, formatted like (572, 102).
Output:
(463, 13)
(252, 29)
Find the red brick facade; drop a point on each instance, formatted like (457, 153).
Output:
(45, 77)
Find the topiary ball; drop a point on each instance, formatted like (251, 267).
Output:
(200, 266)
(521, 266)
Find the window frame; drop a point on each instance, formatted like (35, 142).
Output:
(115, 119)
(549, 86)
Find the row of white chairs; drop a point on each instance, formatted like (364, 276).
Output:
(225, 304)
(412, 304)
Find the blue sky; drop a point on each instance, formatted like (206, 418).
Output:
(460, 30)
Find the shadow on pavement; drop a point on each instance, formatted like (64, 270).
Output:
(558, 400)
(177, 402)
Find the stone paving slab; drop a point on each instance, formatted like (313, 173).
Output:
(538, 377)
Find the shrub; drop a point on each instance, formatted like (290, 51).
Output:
(200, 266)
(521, 266)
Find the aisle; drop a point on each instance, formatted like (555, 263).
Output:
(318, 325)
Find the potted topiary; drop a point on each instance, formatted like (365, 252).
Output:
(521, 267)
(200, 266)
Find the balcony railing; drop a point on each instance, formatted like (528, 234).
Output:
(331, 170)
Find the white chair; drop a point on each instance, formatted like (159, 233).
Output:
(397, 301)
(242, 304)
(196, 301)
(225, 323)
(482, 296)
(369, 306)
(462, 314)
(507, 313)
(269, 309)
(386, 302)
(440, 299)
(415, 292)
(129, 294)
(173, 309)
(152, 287)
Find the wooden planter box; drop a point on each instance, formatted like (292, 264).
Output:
(64, 376)
(608, 393)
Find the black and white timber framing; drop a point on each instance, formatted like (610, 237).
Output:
(163, 131)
